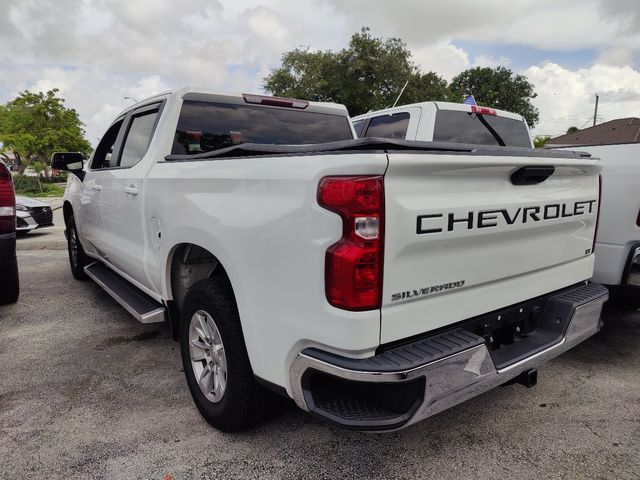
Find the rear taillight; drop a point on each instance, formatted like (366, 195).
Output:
(595, 233)
(353, 265)
(7, 201)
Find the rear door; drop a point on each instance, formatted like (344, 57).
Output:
(461, 239)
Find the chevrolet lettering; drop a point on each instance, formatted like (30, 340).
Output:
(493, 218)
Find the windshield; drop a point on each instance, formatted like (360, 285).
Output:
(207, 126)
(464, 127)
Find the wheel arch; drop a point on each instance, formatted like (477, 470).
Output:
(188, 263)
(67, 211)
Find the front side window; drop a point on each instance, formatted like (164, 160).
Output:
(389, 126)
(138, 138)
(103, 156)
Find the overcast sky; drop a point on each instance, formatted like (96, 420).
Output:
(99, 51)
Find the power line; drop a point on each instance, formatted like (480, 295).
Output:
(607, 105)
(620, 101)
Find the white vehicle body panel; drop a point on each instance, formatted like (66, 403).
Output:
(618, 231)
(539, 256)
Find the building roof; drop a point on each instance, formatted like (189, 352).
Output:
(621, 130)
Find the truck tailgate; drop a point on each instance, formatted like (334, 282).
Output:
(462, 238)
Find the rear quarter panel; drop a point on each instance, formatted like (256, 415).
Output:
(617, 229)
(260, 218)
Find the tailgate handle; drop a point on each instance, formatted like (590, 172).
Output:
(531, 175)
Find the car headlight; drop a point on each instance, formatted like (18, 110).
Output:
(22, 207)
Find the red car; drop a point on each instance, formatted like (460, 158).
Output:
(9, 283)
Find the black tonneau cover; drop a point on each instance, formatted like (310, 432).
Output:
(375, 144)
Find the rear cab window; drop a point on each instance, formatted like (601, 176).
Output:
(388, 126)
(205, 126)
(466, 127)
(358, 126)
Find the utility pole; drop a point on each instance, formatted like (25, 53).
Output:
(595, 113)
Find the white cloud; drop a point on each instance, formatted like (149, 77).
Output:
(443, 58)
(96, 98)
(489, 61)
(544, 24)
(617, 56)
(566, 98)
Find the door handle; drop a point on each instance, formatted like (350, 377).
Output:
(96, 187)
(131, 190)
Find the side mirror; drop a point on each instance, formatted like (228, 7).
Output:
(70, 162)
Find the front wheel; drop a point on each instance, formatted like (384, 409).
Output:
(77, 258)
(215, 359)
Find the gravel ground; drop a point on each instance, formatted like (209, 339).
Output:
(87, 392)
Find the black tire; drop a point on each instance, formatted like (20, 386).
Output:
(9, 283)
(77, 258)
(621, 298)
(244, 402)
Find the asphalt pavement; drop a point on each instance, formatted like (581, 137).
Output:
(87, 392)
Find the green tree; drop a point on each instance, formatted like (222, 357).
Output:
(34, 125)
(497, 88)
(367, 75)
(540, 141)
(573, 129)
(39, 167)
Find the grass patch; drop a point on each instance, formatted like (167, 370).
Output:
(48, 190)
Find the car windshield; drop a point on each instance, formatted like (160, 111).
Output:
(207, 126)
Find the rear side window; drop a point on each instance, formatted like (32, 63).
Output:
(464, 127)
(358, 126)
(206, 126)
(138, 138)
(389, 126)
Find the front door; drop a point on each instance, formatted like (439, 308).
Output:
(89, 216)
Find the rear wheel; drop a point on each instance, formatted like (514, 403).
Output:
(77, 258)
(10, 283)
(622, 298)
(215, 359)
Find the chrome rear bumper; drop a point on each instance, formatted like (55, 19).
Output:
(463, 369)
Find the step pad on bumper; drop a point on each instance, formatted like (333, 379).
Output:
(405, 357)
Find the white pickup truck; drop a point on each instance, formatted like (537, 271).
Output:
(374, 281)
(618, 240)
(446, 122)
